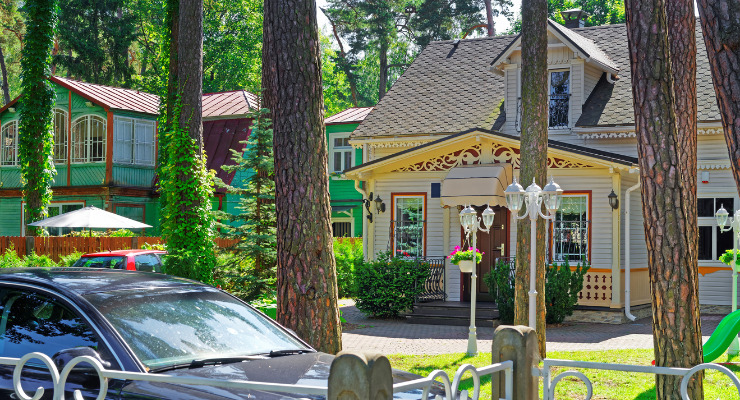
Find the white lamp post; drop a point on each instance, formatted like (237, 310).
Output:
(471, 224)
(723, 217)
(533, 198)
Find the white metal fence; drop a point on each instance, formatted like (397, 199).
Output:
(59, 380)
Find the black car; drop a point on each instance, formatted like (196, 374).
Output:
(147, 323)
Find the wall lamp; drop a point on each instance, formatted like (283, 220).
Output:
(378, 205)
(613, 200)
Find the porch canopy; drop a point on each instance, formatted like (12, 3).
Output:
(477, 184)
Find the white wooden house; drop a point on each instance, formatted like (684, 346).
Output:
(459, 105)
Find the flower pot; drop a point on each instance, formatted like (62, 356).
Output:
(466, 265)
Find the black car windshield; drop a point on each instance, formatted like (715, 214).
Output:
(173, 326)
(100, 262)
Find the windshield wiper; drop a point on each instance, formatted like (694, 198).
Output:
(206, 361)
(280, 353)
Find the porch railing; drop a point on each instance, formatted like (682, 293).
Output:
(434, 285)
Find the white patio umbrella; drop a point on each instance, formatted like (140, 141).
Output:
(92, 218)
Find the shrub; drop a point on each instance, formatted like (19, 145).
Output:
(35, 260)
(237, 276)
(10, 259)
(500, 282)
(348, 255)
(388, 285)
(561, 290)
(68, 260)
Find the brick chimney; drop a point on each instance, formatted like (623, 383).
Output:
(574, 18)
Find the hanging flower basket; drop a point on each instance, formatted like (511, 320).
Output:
(465, 265)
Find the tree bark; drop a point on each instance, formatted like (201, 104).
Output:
(489, 18)
(173, 16)
(666, 193)
(190, 69)
(6, 87)
(533, 158)
(383, 81)
(720, 23)
(291, 76)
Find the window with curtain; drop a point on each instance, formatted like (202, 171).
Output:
(9, 143)
(133, 141)
(559, 98)
(60, 136)
(570, 239)
(88, 139)
(408, 225)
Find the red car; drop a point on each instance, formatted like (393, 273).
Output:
(133, 260)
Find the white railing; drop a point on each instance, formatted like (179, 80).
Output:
(549, 382)
(59, 380)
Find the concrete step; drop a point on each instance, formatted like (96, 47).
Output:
(431, 319)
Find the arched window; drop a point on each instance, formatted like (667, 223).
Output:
(9, 144)
(88, 139)
(60, 136)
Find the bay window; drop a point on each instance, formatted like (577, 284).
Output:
(408, 224)
(570, 232)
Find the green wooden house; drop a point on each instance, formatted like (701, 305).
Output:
(346, 201)
(106, 148)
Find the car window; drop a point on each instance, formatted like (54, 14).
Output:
(171, 326)
(115, 262)
(33, 322)
(148, 262)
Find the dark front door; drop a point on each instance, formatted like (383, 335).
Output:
(493, 246)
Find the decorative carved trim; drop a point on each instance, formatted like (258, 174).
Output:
(631, 134)
(704, 165)
(389, 144)
(479, 154)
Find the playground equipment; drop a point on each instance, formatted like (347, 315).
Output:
(722, 337)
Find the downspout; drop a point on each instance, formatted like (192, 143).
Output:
(627, 261)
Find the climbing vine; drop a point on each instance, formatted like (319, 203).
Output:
(36, 138)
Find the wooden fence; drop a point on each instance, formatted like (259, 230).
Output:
(58, 246)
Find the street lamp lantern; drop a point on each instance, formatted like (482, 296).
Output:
(552, 195)
(467, 218)
(722, 215)
(514, 196)
(488, 215)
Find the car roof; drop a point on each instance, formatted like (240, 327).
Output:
(83, 281)
(124, 253)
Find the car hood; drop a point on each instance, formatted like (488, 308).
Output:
(310, 369)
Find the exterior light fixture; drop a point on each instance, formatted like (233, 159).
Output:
(613, 200)
(723, 217)
(514, 196)
(379, 205)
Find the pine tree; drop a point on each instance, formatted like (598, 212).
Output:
(255, 225)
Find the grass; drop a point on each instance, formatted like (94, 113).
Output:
(606, 384)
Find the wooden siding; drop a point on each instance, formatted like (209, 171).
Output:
(60, 179)
(591, 77)
(511, 100)
(10, 217)
(90, 174)
(131, 175)
(10, 177)
(577, 91)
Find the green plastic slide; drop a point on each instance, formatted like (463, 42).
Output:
(721, 338)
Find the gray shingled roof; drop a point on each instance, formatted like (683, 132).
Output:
(586, 45)
(449, 89)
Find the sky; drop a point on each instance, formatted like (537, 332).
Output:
(501, 23)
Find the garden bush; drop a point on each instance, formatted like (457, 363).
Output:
(387, 286)
(500, 282)
(561, 290)
(9, 259)
(348, 255)
(237, 276)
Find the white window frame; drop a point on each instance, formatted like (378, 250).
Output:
(343, 150)
(422, 244)
(345, 220)
(14, 161)
(59, 204)
(132, 149)
(570, 106)
(558, 258)
(712, 222)
(60, 147)
(88, 142)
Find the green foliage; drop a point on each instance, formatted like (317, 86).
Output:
(349, 257)
(601, 12)
(561, 290)
(728, 256)
(94, 39)
(500, 282)
(154, 246)
(254, 226)
(267, 305)
(337, 91)
(68, 260)
(38, 260)
(97, 233)
(237, 276)
(388, 285)
(12, 29)
(9, 259)
(36, 139)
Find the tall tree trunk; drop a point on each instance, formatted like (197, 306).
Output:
(489, 18)
(6, 87)
(383, 81)
(720, 23)
(190, 69)
(666, 195)
(533, 157)
(291, 76)
(351, 78)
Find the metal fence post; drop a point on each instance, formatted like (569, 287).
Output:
(357, 376)
(518, 344)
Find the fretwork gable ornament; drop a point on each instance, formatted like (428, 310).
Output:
(483, 154)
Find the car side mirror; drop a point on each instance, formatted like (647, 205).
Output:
(63, 357)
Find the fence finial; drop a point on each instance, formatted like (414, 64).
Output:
(518, 344)
(357, 376)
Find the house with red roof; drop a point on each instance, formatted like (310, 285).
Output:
(105, 150)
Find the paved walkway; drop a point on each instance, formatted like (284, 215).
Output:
(398, 337)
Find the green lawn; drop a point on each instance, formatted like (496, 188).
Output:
(606, 384)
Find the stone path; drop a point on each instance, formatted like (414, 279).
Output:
(398, 337)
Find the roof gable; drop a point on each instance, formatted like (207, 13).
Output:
(229, 104)
(350, 115)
